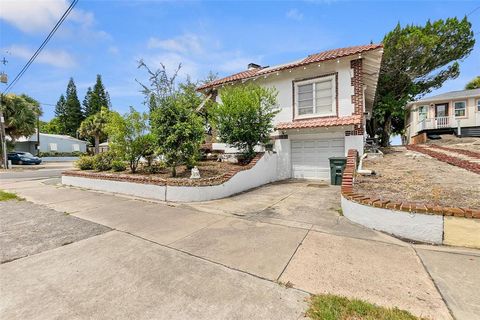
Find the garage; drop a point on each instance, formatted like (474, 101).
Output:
(310, 157)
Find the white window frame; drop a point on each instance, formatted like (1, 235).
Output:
(419, 113)
(53, 146)
(75, 147)
(478, 105)
(464, 108)
(313, 81)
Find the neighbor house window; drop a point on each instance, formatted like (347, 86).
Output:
(422, 113)
(316, 97)
(76, 147)
(52, 146)
(460, 108)
(478, 105)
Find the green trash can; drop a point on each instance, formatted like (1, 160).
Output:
(337, 165)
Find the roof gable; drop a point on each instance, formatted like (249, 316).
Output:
(313, 58)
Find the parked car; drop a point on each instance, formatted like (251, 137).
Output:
(23, 158)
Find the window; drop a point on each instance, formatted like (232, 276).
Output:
(422, 113)
(459, 108)
(478, 105)
(316, 97)
(52, 146)
(75, 147)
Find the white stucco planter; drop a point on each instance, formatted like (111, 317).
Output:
(264, 171)
(413, 226)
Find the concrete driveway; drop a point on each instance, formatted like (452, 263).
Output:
(224, 258)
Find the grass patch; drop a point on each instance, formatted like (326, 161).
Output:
(331, 307)
(4, 196)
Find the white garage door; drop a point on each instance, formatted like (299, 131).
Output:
(310, 157)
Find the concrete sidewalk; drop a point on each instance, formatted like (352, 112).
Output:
(290, 233)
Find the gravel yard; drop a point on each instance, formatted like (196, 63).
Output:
(27, 228)
(420, 178)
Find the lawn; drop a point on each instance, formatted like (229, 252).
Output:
(407, 176)
(331, 307)
(7, 196)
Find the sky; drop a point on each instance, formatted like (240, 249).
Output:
(110, 37)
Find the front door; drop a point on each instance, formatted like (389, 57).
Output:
(441, 110)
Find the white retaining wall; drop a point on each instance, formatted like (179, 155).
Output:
(264, 171)
(59, 159)
(414, 226)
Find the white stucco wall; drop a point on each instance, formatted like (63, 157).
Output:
(354, 142)
(283, 83)
(135, 189)
(414, 226)
(264, 171)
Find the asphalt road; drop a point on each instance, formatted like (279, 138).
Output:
(49, 170)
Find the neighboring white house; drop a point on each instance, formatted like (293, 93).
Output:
(54, 143)
(445, 113)
(324, 101)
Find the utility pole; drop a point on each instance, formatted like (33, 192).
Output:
(3, 137)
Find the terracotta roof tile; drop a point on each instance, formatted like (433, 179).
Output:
(320, 122)
(313, 58)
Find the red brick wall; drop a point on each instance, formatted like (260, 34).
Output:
(357, 97)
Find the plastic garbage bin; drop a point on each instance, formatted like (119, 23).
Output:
(337, 165)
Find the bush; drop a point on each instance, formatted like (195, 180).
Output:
(118, 165)
(155, 167)
(61, 154)
(103, 161)
(84, 163)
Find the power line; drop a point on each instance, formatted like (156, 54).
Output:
(44, 43)
(473, 10)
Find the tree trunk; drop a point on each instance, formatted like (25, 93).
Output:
(386, 131)
(174, 170)
(97, 144)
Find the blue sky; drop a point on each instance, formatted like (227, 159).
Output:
(109, 37)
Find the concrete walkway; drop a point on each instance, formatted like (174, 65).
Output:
(189, 260)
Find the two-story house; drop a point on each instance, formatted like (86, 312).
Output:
(324, 100)
(455, 112)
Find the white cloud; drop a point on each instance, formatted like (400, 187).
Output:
(41, 15)
(184, 43)
(198, 55)
(56, 58)
(113, 50)
(294, 14)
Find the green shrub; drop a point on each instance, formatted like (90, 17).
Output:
(103, 161)
(155, 167)
(85, 163)
(118, 165)
(61, 154)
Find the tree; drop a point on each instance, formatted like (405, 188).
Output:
(73, 110)
(128, 136)
(61, 114)
(20, 114)
(53, 126)
(95, 126)
(244, 118)
(474, 84)
(416, 60)
(178, 130)
(161, 86)
(96, 99)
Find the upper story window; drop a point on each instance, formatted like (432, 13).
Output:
(460, 108)
(315, 97)
(422, 113)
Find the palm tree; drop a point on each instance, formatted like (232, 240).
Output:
(94, 126)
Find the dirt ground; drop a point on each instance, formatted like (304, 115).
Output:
(450, 140)
(405, 175)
